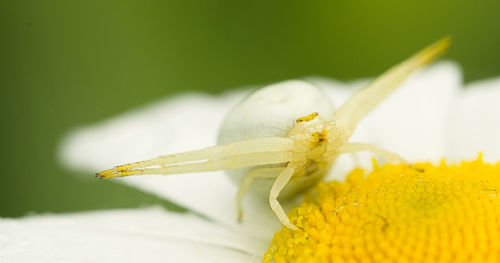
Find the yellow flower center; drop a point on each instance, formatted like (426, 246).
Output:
(429, 213)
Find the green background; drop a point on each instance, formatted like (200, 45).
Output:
(66, 64)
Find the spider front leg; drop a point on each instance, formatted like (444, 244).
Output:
(249, 178)
(364, 100)
(280, 183)
(259, 151)
(355, 147)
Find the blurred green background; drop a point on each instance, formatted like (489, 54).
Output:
(66, 64)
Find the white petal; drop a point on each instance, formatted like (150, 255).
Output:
(413, 121)
(476, 123)
(190, 122)
(338, 91)
(176, 124)
(139, 235)
(185, 123)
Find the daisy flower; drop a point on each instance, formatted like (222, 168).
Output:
(431, 116)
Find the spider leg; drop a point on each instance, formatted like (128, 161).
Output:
(267, 150)
(253, 174)
(354, 147)
(280, 183)
(234, 162)
(364, 100)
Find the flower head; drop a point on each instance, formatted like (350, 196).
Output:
(428, 118)
(431, 213)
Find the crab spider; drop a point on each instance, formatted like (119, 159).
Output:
(292, 152)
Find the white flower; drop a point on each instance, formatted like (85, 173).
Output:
(428, 118)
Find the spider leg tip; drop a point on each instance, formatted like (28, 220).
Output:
(107, 174)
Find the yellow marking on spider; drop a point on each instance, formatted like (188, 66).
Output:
(307, 118)
(320, 137)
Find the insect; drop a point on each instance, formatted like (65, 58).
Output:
(283, 138)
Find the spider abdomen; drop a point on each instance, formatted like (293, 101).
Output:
(275, 110)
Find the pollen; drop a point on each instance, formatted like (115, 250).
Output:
(397, 213)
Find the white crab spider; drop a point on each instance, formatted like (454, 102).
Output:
(293, 144)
